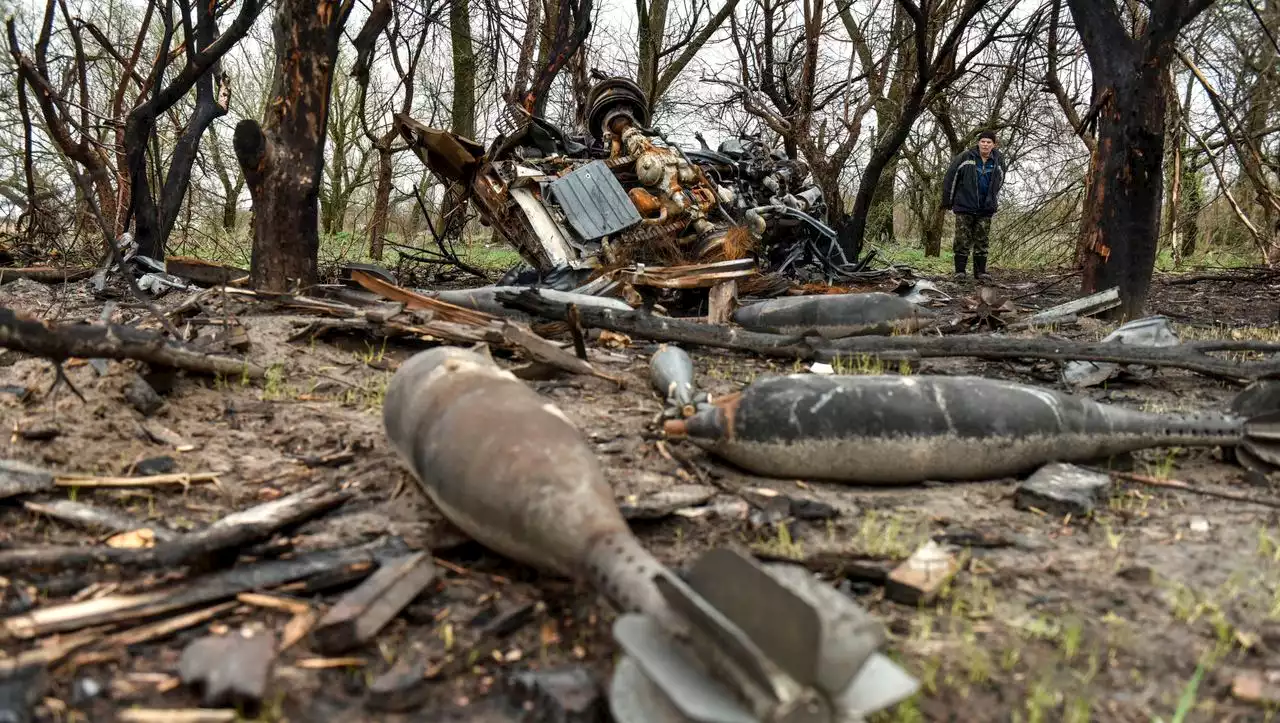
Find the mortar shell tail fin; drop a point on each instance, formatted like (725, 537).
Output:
(786, 653)
(1260, 449)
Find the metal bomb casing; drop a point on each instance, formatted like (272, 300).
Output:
(835, 315)
(891, 429)
(671, 373)
(509, 469)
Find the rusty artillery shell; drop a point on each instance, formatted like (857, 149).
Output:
(509, 469)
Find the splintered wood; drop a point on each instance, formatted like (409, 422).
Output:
(358, 616)
(457, 324)
(691, 276)
(238, 530)
(442, 310)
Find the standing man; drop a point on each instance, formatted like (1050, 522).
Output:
(971, 189)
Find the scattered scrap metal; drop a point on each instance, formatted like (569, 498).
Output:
(608, 205)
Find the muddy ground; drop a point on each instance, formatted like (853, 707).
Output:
(1160, 596)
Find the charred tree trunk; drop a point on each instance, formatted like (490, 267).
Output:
(1121, 232)
(1121, 228)
(283, 160)
(882, 158)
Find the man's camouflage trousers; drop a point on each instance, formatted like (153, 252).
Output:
(972, 235)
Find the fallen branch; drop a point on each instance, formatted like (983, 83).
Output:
(501, 333)
(177, 478)
(188, 548)
(44, 274)
(60, 342)
(95, 519)
(1173, 484)
(643, 325)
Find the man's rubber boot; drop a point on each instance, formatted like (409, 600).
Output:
(962, 260)
(980, 267)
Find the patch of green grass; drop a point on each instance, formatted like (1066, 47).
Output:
(891, 536)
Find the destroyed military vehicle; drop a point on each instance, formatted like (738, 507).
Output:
(584, 210)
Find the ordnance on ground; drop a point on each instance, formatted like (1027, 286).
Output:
(509, 469)
(671, 372)
(835, 315)
(892, 429)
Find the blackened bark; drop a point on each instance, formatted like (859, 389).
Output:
(1121, 231)
(1121, 226)
(155, 219)
(283, 159)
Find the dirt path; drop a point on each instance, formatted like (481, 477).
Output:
(1104, 619)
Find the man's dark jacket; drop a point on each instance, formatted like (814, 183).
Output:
(960, 186)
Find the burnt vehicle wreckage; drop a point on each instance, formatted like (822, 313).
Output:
(586, 210)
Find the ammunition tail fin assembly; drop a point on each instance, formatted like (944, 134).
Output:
(511, 470)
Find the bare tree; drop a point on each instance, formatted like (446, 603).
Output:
(937, 33)
(660, 59)
(203, 46)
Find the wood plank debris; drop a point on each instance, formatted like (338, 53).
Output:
(919, 579)
(689, 276)
(1084, 306)
(721, 302)
(199, 271)
(455, 328)
(442, 310)
(340, 565)
(360, 614)
(230, 670)
(250, 526)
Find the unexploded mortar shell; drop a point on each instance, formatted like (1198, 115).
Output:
(509, 469)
